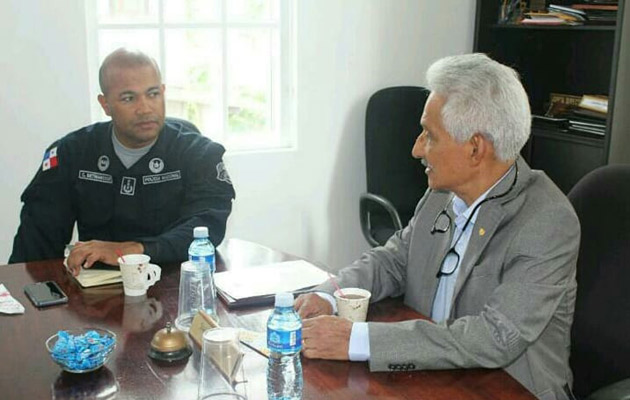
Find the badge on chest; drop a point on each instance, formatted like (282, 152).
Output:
(128, 186)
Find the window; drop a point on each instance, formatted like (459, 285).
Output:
(227, 64)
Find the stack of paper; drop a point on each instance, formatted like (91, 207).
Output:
(258, 285)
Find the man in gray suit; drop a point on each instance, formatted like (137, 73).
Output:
(489, 254)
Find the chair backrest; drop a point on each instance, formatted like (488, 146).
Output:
(392, 124)
(600, 348)
(182, 124)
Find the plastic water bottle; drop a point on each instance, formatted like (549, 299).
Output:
(284, 340)
(201, 254)
(201, 250)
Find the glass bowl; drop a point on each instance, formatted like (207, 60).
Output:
(81, 350)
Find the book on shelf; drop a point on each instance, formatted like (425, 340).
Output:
(551, 18)
(577, 119)
(258, 285)
(587, 125)
(583, 129)
(599, 7)
(595, 103)
(601, 1)
(564, 98)
(602, 18)
(588, 13)
(566, 113)
(592, 106)
(543, 121)
(559, 110)
(583, 112)
(548, 20)
(568, 10)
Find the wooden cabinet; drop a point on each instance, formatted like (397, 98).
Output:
(576, 60)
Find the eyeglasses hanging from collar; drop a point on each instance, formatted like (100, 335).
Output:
(443, 223)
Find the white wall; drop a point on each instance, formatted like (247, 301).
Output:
(304, 201)
(43, 92)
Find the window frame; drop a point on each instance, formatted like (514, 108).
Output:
(283, 136)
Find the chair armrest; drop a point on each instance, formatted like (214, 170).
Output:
(366, 198)
(615, 391)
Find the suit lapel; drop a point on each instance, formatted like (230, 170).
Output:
(483, 230)
(440, 243)
(490, 216)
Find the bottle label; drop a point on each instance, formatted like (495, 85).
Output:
(203, 259)
(284, 341)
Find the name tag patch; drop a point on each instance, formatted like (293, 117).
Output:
(95, 177)
(161, 178)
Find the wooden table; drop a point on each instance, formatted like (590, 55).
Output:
(27, 372)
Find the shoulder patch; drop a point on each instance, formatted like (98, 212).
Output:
(222, 174)
(50, 159)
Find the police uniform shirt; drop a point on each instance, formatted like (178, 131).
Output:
(179, 184)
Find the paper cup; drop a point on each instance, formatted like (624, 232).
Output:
(354, 306)
(137, 274)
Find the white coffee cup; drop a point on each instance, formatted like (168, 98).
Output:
(353, 304)
(137, 274)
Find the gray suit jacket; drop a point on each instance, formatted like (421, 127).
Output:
(514, 297)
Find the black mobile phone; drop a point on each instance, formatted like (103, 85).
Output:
(44, 294)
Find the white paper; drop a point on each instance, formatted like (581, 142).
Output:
(287, 276)
(9, 305)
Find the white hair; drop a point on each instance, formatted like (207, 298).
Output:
(482, 96)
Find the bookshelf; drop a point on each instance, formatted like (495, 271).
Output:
(576, 60)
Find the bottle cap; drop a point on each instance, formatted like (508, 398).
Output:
(284, 299)
(200, 232)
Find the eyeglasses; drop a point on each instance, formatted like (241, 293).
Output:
(443, 223)
(449, 266)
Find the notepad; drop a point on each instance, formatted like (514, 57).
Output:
(257, 285)
(97, 275)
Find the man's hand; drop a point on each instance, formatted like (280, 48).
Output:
(311, 305)
(87, 253)
(326, 337)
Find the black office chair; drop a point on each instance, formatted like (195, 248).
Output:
(181, 124)
(600, 337)
(395, 180)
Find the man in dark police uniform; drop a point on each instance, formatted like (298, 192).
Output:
(139, 183)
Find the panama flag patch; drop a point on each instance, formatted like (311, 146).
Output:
(50, 159)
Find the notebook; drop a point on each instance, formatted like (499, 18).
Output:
(97, 275)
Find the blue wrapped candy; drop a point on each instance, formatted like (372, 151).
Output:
(82, 352)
